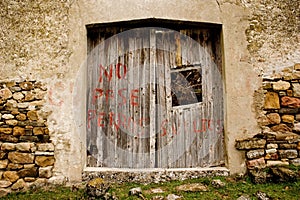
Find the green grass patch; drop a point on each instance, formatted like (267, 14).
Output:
(232, 190)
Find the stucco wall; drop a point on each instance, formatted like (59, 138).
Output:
(46, 41)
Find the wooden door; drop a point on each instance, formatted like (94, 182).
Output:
(154, 100)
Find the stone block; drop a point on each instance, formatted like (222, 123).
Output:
(29, 96)
(8, 116)
(2, 155)
(257, 153)
(45, 161)
(18, 131)
(4, 192)
(11, 122)
(272, 146)
(281, 128)
(32, 115)
(6, 130)
(271, 163)
(45, 172)
(20, 184)
(291, 111)
(288, 137)
(288, 146)
(295, 162)
(45, 147)
(272, 156)
(252, 143)
(57, 180)
(282, 174)
(281, 85)
(271, 101)
(18, 96)
(296, 127)
(28, 172)
(273, 118)
(38, 131)
(8, 147)
(20, 158)
(288, 153)
(5, 183)
(5, 93)
(270, 151)
(256, 163)
(21, 117)
(11, 176)
(29, 138)
(24, 146)
(8, 138)
(29, 179)
(290, 102)
(23, 105)
(3, 164)
(288, 119)
(296, 89)
(26, 85)
(14, 166)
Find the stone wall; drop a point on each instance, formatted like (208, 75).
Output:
(279, 142)
(26, 151)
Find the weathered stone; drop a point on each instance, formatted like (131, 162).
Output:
(26, 166)
(273, 118)
(297, 127)
(11, 176)
(257, 163)
(97, 188)
(4, 192)
(28, 172)
(20, 184)
(173, 197)
(297, 66)
(24, 146)
(5, 93)
(8, 116)
(282, 93)
(23, 105)
(5, 183)
(282, 174)
(26, 85)
(281, 85)
(217, 183)
(45, 172)
(288, 153)
(272, 146)
(45, 147)
(3, 164)
(272, 156)
(244, 197)
(270, 151)
(192, 187)
(11, 122)
(29, 179)
(38, 130)
(289, 137)
(257, 153)
(18, 96)
(290, 102)
(8, 147)
(287, 146)
(298, 146)
(6, 130)
(288, 118)
(57, 180)
(28, 131)
(21, 158)
(295, 162)
(288, 110)
(44, 161)
(29, 96)
(28, 138)
(2, 155)
(156, 190)
(8, 138)
(18, 131)
(296, 89)
(21, 117)
(43, 153)
(14, 166)
(271, 163)
(32, 115)
(281, 128)
(271, 101)
(289, 93)
(252, 143)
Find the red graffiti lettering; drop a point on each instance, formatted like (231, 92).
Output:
(133, 97)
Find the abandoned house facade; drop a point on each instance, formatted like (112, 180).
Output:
(151, 89)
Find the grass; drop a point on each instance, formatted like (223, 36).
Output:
(232, 190)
